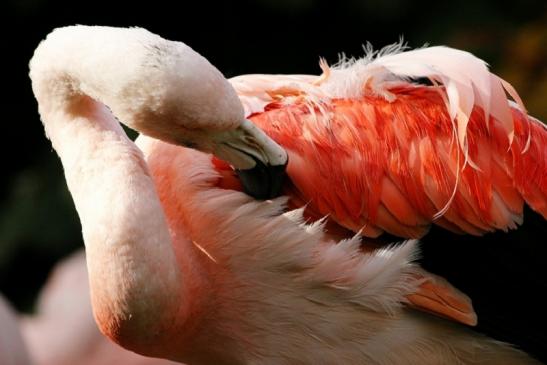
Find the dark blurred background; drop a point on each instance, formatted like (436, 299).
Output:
(38, 223)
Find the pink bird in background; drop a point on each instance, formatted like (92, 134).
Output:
(13, 350)
(63, 331)
(185, 266)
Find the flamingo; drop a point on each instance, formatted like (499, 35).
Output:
(185, 266)
(13, 350)
(63, 331)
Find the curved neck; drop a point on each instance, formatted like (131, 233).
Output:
(137, 287)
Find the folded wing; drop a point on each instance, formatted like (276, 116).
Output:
(380, 152)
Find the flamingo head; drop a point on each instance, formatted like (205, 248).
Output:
(176, 95)
(258, 160)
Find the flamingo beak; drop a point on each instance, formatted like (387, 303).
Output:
(263, 181)
(259, 161)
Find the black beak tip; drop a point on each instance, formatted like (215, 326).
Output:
(263, 181)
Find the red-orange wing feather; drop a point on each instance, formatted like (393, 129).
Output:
(378, 165)
(378, 153)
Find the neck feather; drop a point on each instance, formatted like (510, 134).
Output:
(137, 286)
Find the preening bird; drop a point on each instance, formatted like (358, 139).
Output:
(185, 266)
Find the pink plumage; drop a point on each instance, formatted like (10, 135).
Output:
(182, 268)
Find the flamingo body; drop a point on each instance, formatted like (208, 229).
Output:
(264, 271)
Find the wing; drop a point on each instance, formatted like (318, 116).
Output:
(379, 152)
